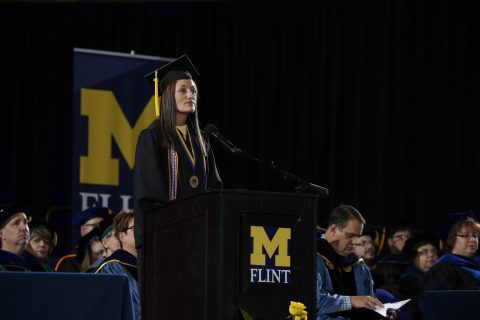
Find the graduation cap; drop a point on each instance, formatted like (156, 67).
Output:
(10, 211)
(90, 213)
(451, 219)
(412, 244)
(180, 68)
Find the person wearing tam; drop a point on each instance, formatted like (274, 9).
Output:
(40, 246)
(84, 221)
(109, 239)
(124, 260)
(343, 280)
(173, 159)
(90, 249)
(14, 237)
(459, 267)
(421, 251)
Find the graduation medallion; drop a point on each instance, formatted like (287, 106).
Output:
(194, 181)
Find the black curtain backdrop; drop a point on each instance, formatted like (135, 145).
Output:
(375, 100)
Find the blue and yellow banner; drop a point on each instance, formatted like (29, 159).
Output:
(112, 103)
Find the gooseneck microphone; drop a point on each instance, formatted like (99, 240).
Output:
(212, 130)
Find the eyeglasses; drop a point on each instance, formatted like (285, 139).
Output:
(132, 227)
(401, 236)
(424, 252)
(468, 235)
(364, 244)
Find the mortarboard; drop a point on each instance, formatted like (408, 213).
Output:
(10, 211)
(450, 221)
(89, 213)
(180, 68)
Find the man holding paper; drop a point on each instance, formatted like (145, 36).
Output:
(343, 279)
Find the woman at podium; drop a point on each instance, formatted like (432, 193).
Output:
(173, 159)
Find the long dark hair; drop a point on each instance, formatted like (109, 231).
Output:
(168, 117)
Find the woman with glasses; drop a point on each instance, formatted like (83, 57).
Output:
(421, 252)
(459, 267)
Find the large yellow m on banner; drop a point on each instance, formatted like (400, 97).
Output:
(106, 120)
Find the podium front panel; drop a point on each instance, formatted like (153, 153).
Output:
(210, 255)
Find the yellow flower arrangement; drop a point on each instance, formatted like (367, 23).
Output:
(297, 311)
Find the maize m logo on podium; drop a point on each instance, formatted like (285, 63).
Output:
(270, 258)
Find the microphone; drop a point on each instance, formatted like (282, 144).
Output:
(212, 130)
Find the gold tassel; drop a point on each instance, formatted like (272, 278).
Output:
(54, 239)
(376, 241)
(157, 104)
(382, 241)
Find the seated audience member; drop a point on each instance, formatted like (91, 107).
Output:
(14, 236)
(343, 280)
(393, 263)
(124, 260)
(109, 240)
(85, 222)
(365, 248)
(422, 253)
(90, 249)
(39, 248)
(459, 267)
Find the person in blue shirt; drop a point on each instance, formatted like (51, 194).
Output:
(344, 281)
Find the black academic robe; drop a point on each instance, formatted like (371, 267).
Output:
(453, 272)
(12, 262)
(151, 173)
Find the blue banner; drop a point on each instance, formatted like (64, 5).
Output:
(112, 103)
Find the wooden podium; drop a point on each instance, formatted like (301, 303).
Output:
(211, 255)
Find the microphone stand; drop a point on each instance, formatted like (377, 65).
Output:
(300, 185)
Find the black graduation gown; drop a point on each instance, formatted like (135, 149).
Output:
(449, 276)
(151, 173)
